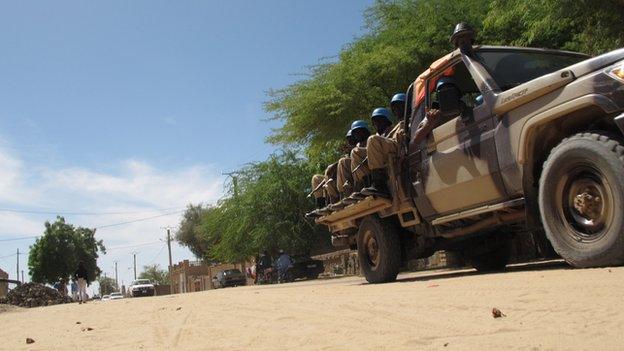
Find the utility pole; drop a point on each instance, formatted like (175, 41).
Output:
(17, 270)
(170, 260)
(22, 276)
(134, 257)
(116, 281)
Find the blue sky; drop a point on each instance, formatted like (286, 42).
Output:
(138, 106)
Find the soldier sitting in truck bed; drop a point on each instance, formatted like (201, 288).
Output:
(382, 120)
(325, 189)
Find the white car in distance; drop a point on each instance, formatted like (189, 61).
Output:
(142, 287)
(116, 296)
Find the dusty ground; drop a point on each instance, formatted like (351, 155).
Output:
(548, 306)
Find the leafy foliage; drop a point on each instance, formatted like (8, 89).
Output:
(265, 211)
(188, 233)
(107, 285)
(56, 254)
(155, 274)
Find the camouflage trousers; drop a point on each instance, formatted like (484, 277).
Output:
(344, 178)
(331, 190)
(359, 169)
(317, 179)
(378, 149)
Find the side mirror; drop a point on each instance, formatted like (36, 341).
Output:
(449, 100)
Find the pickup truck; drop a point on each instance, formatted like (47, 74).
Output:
(142, 287)
(532, 141)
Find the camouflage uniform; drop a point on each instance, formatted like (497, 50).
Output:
(317, 190)
(344, 177)
(331, 190)
(378, 147)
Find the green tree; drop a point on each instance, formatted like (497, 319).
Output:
(589, 26)
(55, 255)
(107, 285)
(155, 274)
(189, 233)
(265, 212)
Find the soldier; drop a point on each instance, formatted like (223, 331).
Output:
(397, 105)
(360, 132)
(327, 188)
(381, 148)
(382, 120)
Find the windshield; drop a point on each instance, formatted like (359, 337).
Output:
(141, 282)
(232, 272)
(512, 68)
(115, 294)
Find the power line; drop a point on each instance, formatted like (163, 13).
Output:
(139, 220)
(72, 213)
(158, 254)
(135, 245)
(22, 238)
(106, 225)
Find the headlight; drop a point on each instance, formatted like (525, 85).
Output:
(617, 72)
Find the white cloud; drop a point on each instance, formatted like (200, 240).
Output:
(133, 189)
(12, 180)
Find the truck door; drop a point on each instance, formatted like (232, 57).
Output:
(459, 168)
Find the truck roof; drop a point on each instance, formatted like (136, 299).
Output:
(434, 68)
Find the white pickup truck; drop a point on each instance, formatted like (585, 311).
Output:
(142, 287)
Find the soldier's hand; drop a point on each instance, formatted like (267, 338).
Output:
(433, 114)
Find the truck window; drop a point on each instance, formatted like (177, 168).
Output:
(465, 83)
(511, 68)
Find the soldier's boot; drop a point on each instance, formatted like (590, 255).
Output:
(347, 198)
(379, 184)
(320, 203)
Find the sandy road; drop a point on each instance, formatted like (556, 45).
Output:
(548, 306)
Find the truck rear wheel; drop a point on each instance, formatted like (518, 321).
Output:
(379, 250)
(581, 196)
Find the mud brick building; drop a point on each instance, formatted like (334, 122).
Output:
(191, 276)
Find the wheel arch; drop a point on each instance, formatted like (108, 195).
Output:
(546, 130)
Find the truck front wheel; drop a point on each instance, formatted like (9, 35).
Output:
(379, 250)
(581, 196)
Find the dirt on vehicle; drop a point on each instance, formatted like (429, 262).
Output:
(529, 142)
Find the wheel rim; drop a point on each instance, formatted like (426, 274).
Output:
(371, 249)
(585, 202)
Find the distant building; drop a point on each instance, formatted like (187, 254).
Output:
(191, 276)
(4, 286)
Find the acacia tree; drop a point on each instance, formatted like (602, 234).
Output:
(189, 232)
(264, 210)
(56, 254)
(155, 274)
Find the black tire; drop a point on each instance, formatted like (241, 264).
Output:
(492, 261)
(581, 196)
(379, 250)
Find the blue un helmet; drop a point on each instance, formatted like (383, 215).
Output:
(449, 96)
(349, 133)
(446, 82)
(478, 100)
(398, 98)
(382, 112)
(359, 124)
